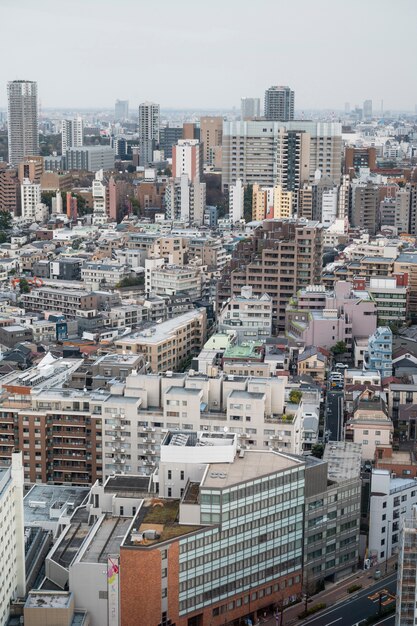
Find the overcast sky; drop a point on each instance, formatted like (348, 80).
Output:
(207, 54)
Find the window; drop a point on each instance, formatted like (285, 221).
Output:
(169, 475)
(169, 492)
(122, 510)
(182, 474)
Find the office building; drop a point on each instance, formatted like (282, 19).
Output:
(31, 168)
(279, 104)
(267, 153)
(169, 136)
(211, 136)
(212, 514)
(121, 110)
(148, 131)
(236, 202)
(72, 134)
(406, 606)
(23, 133)
(12, 557)
(355, 158)
(390, 295)
(367, 110)
(250, 108)
(90, 158)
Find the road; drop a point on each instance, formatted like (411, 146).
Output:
(360, 606)
(334, 415)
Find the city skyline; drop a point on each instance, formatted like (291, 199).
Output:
(215, 52)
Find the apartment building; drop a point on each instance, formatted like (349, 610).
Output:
(100, 274)
(379, 354)
(9, 189)
(211, 136)
(173, 280)
(66, 301)
(248, 315)
(272, 202)
(406, 263)
(215, 514)
(167, 345)
(208, 251)
(281, 257)
(391, 298)
(407, 566)
(370, 424)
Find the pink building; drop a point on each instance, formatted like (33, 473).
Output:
(112, 191)
(319, 318)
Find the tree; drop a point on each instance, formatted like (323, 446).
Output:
(295, 396)
(46, 198)
(317, 450)
(247, 203)
(24, 286)
(131, 281)
(339, 348)
(6, 220)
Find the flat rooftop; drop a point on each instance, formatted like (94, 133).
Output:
(244, 350)
(48, 599)
(343, 460)
(254, 464)
(39, 501)
(159, 332)
(127, 484)
(107, 539)
(194, 439)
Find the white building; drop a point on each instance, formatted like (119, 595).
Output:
(236, 201)
(392, 500)
(187, 159)
(329, 207)
(99, 199)
(167, 280)
(185, 200)
(32, 209)
(72, 134)
(12, 555)
(249, 316)
(250, 107)
(148, 131)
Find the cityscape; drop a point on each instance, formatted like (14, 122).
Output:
(208, 324)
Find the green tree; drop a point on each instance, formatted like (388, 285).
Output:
(317, 450)
(6, 220)
(339, 348)
(24, 286)
(295, 396)
(131, 281)
(46, 198)
(247, 203)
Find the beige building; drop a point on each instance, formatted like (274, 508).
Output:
(211, 135)
(31, 168)
(370, 425)
(313, 363)
(172, 249)
(53, 607)
(167, 345)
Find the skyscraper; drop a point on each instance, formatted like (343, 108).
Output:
(22, 100)
(279, 104)
(250, 107)
(72, 134)
(148, 131)
(121, 110)
(367, 110)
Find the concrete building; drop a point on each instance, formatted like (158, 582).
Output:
(90, 158)
(185, 200)
(211, 136)
(406, 263)
(252, 151)
(370, 424)
(9, 189)
(407, 564)
(365, 207)
(121, 110)
(172, 280)
(99, 199)
(53, 607)
(148, 131)
(167, 345)
(236, 202)
(329, 207)
(31, 206)
(391, 298)
(30, 168)
(279, 104)
(357, 158)
(72, 134)
(202, 522)
(22, 110)
(169, 137)
(187, 158)
(250, 108)
(392, 501)
(379, 354)
(249, 316)
(12, 560)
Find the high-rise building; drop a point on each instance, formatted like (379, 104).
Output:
(365, 207)
(236, 202)
(121, 110)
(187, 158)
(9, 189)
(148, 131)
(406, 607)
(367, 110)
(249, 108)
(31, 168)
(99, 199)
(168, 137)
(31, 198)
(23, 134)
(211, 135)
(355, 158)
(279, 104)
(90, 158)
(185, 199)
(72, 134)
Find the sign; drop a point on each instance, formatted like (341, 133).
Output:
(113, 590)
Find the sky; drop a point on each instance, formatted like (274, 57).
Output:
(190, 54)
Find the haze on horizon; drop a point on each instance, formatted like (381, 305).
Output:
(189, 54)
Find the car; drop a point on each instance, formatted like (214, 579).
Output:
(341, 366)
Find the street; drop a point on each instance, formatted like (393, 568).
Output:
(334, 415)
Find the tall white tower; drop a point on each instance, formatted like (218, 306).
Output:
(23, 133)
(99, 199)
(236, 198)
(72, 134)
(148, 131)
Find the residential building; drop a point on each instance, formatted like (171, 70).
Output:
(31, 207)
(121, 110)
(236, 202)
(312, 362)
(100, 274)
(379, 354)
(407, 566)
(23, 132)
(12, 560)
(370, 424)
(406, 263)
(168, 345)
(162, 279)
(357, 158)
(365, 207)
(9, 189)
(72, 134)
(279, 104)
(99, 199)
(148, 131)
(169, 137)
(367, 110)
(67, 301)
(30, 168)
(185, 200)
(392, 501)
(247, 588)
(249, 316)
(187, 158)
(250, 108)
(211, 136)
(255, 152)
(90, 158)
(391, 298)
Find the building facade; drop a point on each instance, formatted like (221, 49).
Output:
(23, 132)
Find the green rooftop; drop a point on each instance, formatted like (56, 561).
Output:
(248, 350)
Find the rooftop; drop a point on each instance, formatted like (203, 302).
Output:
(244, 350)
(42, 499)
(48, 599)
(106, 539)
(160, 332)
(343, 459)
(254, 464)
